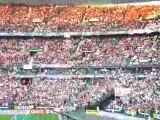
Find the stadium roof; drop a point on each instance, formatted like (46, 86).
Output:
(71, 2)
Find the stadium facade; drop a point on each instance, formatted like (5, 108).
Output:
(72, 2)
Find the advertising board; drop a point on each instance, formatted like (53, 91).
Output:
(14, 112)
(39, 111)
(23, 107)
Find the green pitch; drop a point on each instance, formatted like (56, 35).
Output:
(30, 117)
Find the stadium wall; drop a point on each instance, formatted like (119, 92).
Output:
(74, 2)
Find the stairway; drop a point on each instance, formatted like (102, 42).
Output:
(104, 102)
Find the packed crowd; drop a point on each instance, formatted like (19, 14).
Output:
(78, 18)
(144, 96)
(59, 93)
(42, 92)
(94, 51)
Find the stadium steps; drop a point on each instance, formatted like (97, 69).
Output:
(78, 49)
(97, 100)
(88, 87)
(105, 101)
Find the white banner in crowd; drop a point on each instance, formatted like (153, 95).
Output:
(122, 91)
(27, 66)
(158, 116)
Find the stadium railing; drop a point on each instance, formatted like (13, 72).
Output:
(56, 34)
(155, 114)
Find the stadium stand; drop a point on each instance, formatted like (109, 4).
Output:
(77, 18)
(94, 51)
(66, 73)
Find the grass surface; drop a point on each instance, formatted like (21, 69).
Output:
(30, 117)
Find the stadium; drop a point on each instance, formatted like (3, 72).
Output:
(79, 60)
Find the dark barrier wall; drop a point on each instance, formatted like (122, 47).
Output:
(51, 2)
